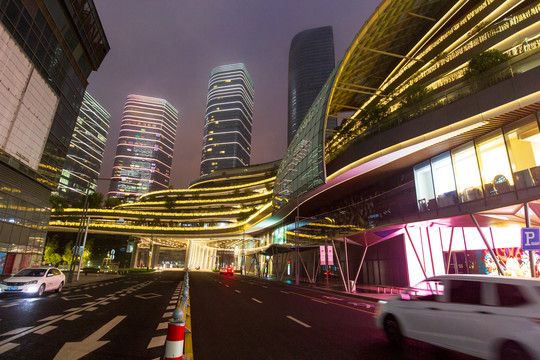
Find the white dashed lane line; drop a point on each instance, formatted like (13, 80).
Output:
(259, 301)
(298, 321)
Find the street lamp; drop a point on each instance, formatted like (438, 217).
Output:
(78, 249)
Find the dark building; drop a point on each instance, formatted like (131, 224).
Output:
(49, 48)
(229, 117)
(311, 60)
(145, 147)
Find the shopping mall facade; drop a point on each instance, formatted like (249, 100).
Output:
(433, 168)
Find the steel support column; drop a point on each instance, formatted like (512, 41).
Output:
(487, 245)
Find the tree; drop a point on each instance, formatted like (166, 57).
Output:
(68, 253)
(94, 201)
(111, 203)
(50, 256)
(373, 113)
(58, 203)
(484, 61)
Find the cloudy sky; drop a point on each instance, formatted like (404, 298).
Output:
(167, 48)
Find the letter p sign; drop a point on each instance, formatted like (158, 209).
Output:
(530, 238)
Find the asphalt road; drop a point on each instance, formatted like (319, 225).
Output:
(238, 317)
(122, 318)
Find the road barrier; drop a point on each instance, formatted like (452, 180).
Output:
(179, 328)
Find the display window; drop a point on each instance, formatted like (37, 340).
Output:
(425, 194)
(467, 175)
(443, 180)
(494, 164)
(523, 141)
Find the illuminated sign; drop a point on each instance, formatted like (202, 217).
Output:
(530, 238)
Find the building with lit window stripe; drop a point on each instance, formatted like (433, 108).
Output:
(83, 161)
(228, 122)
(311, 60)
(145, 147)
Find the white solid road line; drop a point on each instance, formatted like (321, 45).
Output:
(260, 302)
(298, 321)
(319, 301)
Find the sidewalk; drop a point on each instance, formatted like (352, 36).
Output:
(90, 278)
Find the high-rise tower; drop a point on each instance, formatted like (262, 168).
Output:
(311, 60)
(145, 147)
(229, 116)
(85, 154)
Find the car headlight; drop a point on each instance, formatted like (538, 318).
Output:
(31, 282)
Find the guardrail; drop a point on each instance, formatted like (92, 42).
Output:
(179, 329)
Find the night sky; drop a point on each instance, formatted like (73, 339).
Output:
(167, 48)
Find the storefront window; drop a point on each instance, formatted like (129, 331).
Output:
(425, 195)
(443, 179)
(494, 165)
(523, 141)
(469, 185)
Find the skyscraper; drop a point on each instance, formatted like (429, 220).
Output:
(229, 117)
(145, 147)
(83, 161)
(311, 60)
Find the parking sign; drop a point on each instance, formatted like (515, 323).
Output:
(530, 238)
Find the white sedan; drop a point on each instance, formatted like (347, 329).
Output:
(34, 281)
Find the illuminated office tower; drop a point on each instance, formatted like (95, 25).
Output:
(229, 116)
(85, 154)
(145, 147)
(311, 60)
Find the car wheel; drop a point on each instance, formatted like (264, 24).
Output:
(41, 290)
(393, 331)
(60, 287)
(512, 350)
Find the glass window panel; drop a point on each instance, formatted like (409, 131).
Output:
(468, 183)
(443, 179)
(494, 165)
(424, 186)
(523, 140)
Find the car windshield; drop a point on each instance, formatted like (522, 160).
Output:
(31, 272)
(425, 290)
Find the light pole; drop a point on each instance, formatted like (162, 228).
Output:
(78, 250)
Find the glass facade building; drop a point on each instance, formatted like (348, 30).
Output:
(311, 60)
(83, 162)
(145, 147)
(229, 117)
(49, 48)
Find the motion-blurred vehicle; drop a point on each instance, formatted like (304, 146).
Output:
(228, 270)
(491, 317)
(34, 281)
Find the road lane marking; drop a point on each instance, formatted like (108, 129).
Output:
(157, 341)
(298, 321)
(227, 285)
(72, 309)
(7, 347)
(45, 330)
(266, 287)
(163, 325)
(260, 302)
(319, 301)
(167, 314)
(91, 308)
(79, 349)
(170, 307)
(10, 305)
(333, 303)
(16, 331)
(238, 291)
(73, 317)
(52, 317)
(285, 292)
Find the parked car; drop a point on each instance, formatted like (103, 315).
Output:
(229, 270)
(491, 317)
(34, 281)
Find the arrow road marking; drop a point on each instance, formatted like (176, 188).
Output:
(76, 350)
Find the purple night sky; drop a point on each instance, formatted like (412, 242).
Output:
(167, 49)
